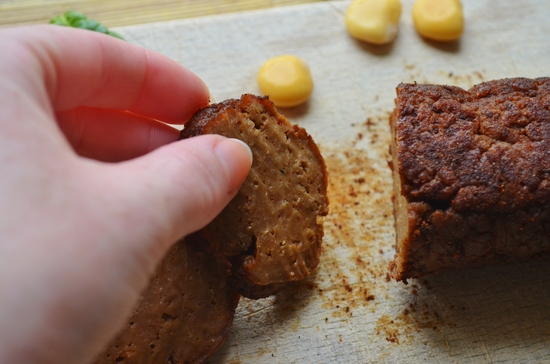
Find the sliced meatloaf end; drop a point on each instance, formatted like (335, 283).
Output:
(471, 175)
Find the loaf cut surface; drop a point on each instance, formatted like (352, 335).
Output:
(183, 316)
(272, 230)
(471, 175)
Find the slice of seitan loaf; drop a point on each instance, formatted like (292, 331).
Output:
(272, 230)
(183, 316)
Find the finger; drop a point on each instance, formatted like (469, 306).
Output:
(81, 67)
(128, 216)
(174, 190)
(113, 136)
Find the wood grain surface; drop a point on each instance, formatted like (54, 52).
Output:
(127, 12)
(348, 311)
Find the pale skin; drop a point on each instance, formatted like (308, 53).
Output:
(93, 189)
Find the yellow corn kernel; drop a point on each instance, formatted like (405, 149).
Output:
(286, 79)
(438, 19)
(374, 21)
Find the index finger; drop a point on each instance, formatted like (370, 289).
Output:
(84, 68)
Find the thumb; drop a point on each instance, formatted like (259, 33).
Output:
(177, 189)
(103, 234)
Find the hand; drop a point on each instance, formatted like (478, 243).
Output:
(80, 237)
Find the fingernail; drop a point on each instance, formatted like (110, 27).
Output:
(246, 147)
(236, 157)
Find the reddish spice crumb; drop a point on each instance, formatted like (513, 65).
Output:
(356, 180)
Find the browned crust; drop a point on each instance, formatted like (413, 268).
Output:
(263, 263)
(474, 169)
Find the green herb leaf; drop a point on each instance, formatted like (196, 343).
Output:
(76, 19)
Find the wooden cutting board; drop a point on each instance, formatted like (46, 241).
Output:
(348, 311)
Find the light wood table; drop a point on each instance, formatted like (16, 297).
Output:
(125, 12)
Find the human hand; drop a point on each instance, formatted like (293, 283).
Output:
(80, 237)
